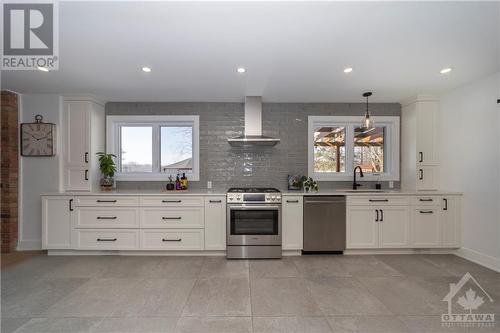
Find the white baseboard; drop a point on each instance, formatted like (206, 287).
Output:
(479, 258)
(133, 253)
(396, 251)
(29, 245)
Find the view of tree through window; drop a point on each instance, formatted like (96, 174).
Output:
(176, 148)
(369, 149)
(329, 149)
(136, 149)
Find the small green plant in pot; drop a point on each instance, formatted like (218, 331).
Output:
(108, 169)
(310, 184)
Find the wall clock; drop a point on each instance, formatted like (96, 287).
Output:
(38, 138)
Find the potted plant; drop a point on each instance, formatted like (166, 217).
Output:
(108, 170)
(310, 185)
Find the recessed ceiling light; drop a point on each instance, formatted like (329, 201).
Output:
(241, 70)
(43, 69)
(348, 70)
(446, 70)
(146, 69)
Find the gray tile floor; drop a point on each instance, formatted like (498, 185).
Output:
(390, 293)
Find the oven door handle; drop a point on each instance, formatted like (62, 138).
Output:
(255, 207)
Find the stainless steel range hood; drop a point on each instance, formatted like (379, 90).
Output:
(253, 126)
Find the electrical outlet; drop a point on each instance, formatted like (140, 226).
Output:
(391, 184)
(209, 184)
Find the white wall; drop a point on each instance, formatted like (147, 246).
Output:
(470, 163)
(37, 174)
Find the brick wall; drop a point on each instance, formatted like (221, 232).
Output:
(9, 171)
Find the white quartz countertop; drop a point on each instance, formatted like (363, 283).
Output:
(223, 192)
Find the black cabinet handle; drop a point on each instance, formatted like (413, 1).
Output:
(426, 212)
(376, 211)
(292, 201)
(71, 205)
(86, 157)
(445, 204)
(426, 200)
(171, 218)
(215, 201)
(378, 200)
(171, 201)
(421, 159)
(381, 215)
(171, 240)
(86, 174)
(421, 174)
(106, 239)
(106, 217)
(106, 200)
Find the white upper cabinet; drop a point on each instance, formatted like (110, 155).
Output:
(292, 222)
(215, 223)
(419, 143)
(83, 137)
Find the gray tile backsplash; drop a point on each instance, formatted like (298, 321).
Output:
(227, 166)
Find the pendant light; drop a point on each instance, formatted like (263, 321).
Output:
(367, 122)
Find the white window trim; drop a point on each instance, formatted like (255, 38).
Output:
(392, 138)
(113, 124)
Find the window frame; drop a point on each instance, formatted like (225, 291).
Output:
(391, 147)
(113, 143)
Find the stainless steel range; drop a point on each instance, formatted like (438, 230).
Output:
(253, 223)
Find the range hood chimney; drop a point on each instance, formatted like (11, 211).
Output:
(253, 126)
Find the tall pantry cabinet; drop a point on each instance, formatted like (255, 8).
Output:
(419, 143)
(83, 136)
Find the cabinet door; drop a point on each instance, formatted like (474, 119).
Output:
(427, 132)
(292, 222)
(56, 222)
(427, 178)
(394, 227)
(362, 228)
(451, 221)
(77, 178)
(77, 133)
(215, 223)
(426, 230)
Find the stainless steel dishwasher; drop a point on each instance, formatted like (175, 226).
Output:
(324, 224)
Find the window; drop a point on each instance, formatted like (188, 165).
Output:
(337, 144)
(154, 147)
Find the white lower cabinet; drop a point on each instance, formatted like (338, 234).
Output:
(378, 227)
(292, 222)
(426, 227)
(215, 223)
(172, 217)
(56, 222)
(106, 217)
(394, 227)
(107, 239)
(451, 221)
(172, 239)
(362, 228)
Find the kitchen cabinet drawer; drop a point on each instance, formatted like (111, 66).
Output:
(378, 200)
(105, 217)
(175, 239)
(107, 239)
(172, 217)
(426, 228)
(166, 201)
(426, 200)
(106, 201)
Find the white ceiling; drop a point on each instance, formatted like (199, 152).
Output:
(294, 52)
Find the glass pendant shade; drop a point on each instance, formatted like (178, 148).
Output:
(367, 121)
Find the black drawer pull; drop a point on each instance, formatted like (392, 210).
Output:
(86, 174)
(106, 217)
(106, 200)
(86, 157)
(171, 218)
(171, 240)
(106, 239)
(292, 201)
(171, 201)
(378, 200)
(445, 204)
(426, 212)
(421, 159)
(71, 205)
(215, 201)
(426, 200)
(420, 174)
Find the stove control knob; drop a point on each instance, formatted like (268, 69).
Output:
(231, 198)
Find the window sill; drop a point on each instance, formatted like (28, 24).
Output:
(349, 177)
(151, 177)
